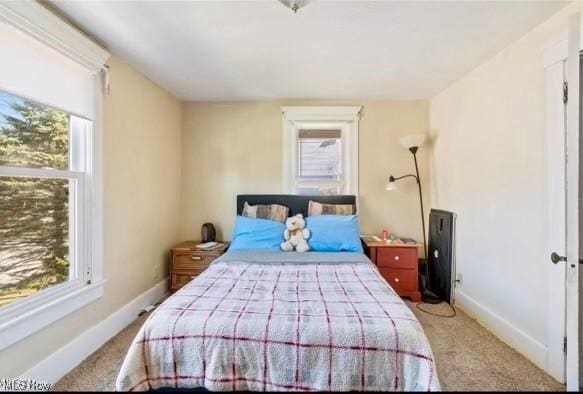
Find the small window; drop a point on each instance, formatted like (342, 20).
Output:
(320, 162)
(41, 185)
(320, 150)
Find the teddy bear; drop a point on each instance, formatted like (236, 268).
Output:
(296, 234)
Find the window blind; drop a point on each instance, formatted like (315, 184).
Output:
(320, 155)
(31, 69)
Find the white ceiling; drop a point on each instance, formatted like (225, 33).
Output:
(260, 50)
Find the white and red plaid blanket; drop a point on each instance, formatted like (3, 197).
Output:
(313, 326)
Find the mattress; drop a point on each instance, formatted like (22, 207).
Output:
(282, 321)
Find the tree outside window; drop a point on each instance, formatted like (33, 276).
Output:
(34, 211)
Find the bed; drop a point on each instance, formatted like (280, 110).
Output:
(282, 321)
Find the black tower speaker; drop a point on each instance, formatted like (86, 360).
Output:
(440, 259)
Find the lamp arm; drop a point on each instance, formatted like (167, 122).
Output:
(393, 179)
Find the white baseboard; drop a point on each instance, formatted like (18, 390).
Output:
(529, 347)
(58, 364)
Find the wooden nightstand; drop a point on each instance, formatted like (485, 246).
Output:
(187, 262)
(399, 265)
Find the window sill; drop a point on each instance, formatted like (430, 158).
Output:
(31, 320)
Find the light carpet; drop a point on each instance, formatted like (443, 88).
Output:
(469, 358)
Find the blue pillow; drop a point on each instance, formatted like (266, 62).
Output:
(257, 234)
(334, 233)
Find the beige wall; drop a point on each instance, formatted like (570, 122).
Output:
(235, 148)
(141, 201)
(490, 166)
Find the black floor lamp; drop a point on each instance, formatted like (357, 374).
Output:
(413, 142)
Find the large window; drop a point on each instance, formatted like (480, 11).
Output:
(51, 90)
(320, 150)
(42, 156)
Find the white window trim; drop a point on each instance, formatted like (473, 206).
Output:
(342, 118)
(37, 21)
(36, 312)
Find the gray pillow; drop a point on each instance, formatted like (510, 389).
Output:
(316, 209)
(276, 212)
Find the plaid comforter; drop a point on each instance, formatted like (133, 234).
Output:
(282, 327)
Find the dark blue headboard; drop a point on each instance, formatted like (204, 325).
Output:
(295, 203)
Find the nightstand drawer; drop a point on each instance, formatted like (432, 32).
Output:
(192, 262)
(179, 279)
(400, 279)
(397, 257)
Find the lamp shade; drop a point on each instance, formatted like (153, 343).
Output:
(413, 140)
(391, 184)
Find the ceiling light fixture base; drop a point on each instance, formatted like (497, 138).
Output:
(294, 5)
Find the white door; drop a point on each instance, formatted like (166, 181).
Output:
(557, 132)
(562, 69)
(572, 205)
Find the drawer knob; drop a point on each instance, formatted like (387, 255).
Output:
(197, 258)
(397, 280)
(396, 257)
(193, 277)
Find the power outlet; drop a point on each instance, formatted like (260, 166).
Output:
(458, 279)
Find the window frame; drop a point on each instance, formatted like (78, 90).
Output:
(25, 317)
(79, 224)
(343, 118)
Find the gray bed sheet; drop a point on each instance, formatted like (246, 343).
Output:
(268, 257)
